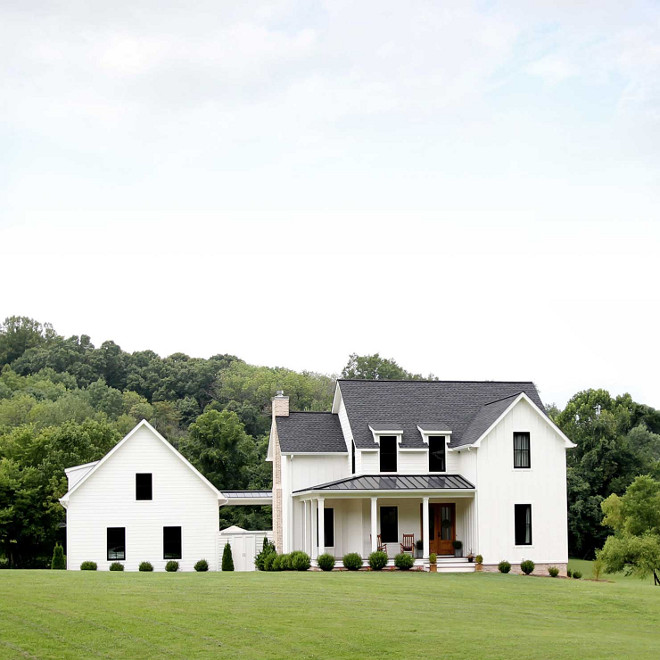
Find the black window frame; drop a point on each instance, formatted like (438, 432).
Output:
(389, 531)
(438, 439)
(522, 455)
(388, 458)
(178, 543)
(112, 536)
(523, 524)
(142, 489)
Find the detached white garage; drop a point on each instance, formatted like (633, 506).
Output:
(245, 545)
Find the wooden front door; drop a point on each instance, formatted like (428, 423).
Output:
(442, 519)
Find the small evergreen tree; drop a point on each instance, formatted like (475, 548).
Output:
(58, 562)
(227, 559)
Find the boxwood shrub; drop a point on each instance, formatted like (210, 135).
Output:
(479, 559)
(326, 562)
(172, 566)
(267, 549)
(202, 566)
(88, 566)
(378, 560)
(527, 566)
(269, 560)
(352, 561)
(116, 566)
(569, 572)
(146, 567)
(299, 561)
(553, 571)
(504, 566)
(577, 575)
(404, 561)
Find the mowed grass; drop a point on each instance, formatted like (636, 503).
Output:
(57, 614)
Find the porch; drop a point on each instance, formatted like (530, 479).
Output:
(355, 514)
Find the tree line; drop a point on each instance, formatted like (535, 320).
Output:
(65, 402)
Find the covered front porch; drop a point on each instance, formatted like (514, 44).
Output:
(367, 513)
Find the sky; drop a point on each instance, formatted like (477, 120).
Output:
(471, 189)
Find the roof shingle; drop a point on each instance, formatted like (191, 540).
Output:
(310, 432)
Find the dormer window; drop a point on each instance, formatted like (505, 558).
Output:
(388, 453)
(437, 453)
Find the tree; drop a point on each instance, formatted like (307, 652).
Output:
(58, 562)
(19, 333)
(374, 367)
(227, 559)
(635, 519)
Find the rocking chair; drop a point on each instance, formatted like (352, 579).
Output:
(408, 544)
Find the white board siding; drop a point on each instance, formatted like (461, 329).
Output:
(501, 486)
(107, 499)
(413, 462)
(367, 462)
(245, 545)
(75, 474)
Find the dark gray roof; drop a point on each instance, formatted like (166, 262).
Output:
(310, 432)
(386, 426)
(247, 494)
(461, 405)
(396, 482)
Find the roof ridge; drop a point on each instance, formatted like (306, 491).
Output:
(408, 380)
(309, 412)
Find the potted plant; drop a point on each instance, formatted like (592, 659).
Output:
(419, 548)
(480, 560)
(458, 548)
(432, 562)
(470, 556)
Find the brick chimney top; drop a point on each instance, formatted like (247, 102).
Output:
(280, 405)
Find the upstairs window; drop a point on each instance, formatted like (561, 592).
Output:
(171, 542)
(388, 453)
(143, 490)
(437, 449)
(521, 453)
(523, 524)
(353, 458)
(116, 537)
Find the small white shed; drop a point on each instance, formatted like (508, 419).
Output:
(245, 545)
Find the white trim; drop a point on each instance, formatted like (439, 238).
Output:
(425, 434)
(522, 396)
(402, 449)
(79, 467)
(313, 453)
(65, 499)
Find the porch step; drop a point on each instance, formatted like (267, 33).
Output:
(457, 566)
(451, 559)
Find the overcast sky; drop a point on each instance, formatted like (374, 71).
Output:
(471, 189)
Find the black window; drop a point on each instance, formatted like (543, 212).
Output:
(521, 453)
(116, 543)
(523, 524)
(328, 528)
(437, 447)
(353, 458)
(171, 542)
(143, 487)
(389, 524)
(388, 453)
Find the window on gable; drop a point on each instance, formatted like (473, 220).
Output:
(437, 449)
(389, 524)
(171, 542)
(523, 524)
(521, 452)
(388, 453)
(116, 543)
(143, 490)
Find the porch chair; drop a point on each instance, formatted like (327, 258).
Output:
(408, 544)
(380, 546)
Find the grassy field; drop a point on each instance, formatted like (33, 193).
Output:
(53, 614)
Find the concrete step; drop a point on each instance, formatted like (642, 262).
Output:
(455, 567)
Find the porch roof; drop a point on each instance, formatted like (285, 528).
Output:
(401, 482)
(248, 497)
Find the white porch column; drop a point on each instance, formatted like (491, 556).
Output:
(312, 530)
(374, 524)
(425, 525)
(321, 525)
(304, 526)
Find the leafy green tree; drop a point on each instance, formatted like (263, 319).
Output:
(227, 559)
(20, 333)
(375, 367)
(635, 519)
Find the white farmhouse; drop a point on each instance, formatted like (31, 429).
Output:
(478, 465)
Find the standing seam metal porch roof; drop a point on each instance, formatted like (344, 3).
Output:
(395, 482)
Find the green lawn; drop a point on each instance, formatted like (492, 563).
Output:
(53, 614)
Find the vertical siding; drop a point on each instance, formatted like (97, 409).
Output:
(413, 462)
(367, 462)
(107, 499)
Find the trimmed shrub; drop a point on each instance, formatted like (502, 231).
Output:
(479, 559)
(227, 559)
(404, 561)
(88, 566)
(116, 566)
(269, 560)
(285, 562)
(58, 563)
(352, 561)
(326, 562)
(433, 558)
(527, 566)
(276, 564)
(300, 561)
(267, 549)
(569, 572)
(553, 571)
(378, 560)
(146, 567)
(202, 566)
(172, 566)
(504, 566)
(577, 575)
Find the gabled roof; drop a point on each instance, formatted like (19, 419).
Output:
(410, 402)
(310, 432)
(144, 423)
